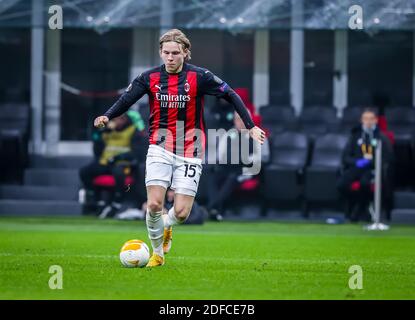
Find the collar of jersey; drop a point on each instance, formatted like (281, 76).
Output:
(163, 67)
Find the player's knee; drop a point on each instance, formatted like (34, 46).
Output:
(181, 213)
(154, 205)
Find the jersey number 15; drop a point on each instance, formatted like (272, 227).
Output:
(190, 170)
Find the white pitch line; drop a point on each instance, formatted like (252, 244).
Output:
(188, 258)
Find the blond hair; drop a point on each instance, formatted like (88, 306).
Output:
(178, 36)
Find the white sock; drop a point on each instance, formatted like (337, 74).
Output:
(155, 228)
(170, 218)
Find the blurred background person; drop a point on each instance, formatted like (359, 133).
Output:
(227, 177)
(117, 149)
(356, 181)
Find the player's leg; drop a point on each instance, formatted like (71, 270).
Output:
(154, 221)
(159, 169)
(180, 211)
(185, 183)
(176, 215)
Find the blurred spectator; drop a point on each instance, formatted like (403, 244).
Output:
(356, 181)
(117, 148)
(227, 177)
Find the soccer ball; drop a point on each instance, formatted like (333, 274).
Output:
(134, 253)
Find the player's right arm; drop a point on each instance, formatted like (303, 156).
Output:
(213, 85)
(132, 94)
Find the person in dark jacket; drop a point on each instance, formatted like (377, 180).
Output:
(359, 163)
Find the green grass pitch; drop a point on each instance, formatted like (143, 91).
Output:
(228, 260)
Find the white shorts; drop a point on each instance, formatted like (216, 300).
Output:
(164, 168)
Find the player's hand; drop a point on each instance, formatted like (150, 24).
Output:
(101, 122)
(257, 134)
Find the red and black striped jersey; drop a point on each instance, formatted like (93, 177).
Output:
(176, 119)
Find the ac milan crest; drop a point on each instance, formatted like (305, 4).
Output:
(187, 87)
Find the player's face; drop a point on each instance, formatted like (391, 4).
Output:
(369, 119)
(173, 56)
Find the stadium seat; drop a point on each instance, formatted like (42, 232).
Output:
(328, 150)
(243, 201)
(355, 186)
(104, 185)
(282, 177)
(289, 149)
(401, 121)
(322, 174)
(250, 184)
(316, 121)
(403, 207)
(202, 196)
(3, 157)
(277, 119)
(14, 132)
(108, 181)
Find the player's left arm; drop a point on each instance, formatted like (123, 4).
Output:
(213, 85)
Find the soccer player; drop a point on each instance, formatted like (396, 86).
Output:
(176, 133)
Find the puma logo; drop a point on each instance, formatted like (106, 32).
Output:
(158, 86)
